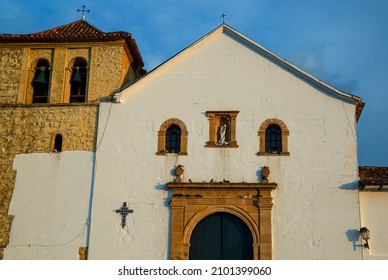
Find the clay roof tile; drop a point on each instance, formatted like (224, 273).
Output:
(373, 175)
(78, 31)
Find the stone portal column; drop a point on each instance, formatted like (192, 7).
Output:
(265, 213)
(176, 233)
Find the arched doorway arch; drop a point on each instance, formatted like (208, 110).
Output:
(200, 215)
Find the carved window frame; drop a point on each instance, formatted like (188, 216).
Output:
(161, 150)
(215, 120)
(284, 133)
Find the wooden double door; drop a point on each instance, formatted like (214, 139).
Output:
(221, 236)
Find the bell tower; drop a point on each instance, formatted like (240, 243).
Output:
(49, 99)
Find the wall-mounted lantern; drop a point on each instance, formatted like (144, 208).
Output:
(365, 234)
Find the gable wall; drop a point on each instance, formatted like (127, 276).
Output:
(316, 183)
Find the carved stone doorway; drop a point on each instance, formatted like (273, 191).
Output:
(193, 202)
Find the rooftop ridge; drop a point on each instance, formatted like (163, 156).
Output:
(68, 28)
(80, 29)
(77, 31)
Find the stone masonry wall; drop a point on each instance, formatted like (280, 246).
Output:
(10, 68)
(106, 71)
(31, 129)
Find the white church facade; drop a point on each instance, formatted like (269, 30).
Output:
(225, 151)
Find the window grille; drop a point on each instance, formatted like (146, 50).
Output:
(273, 140)
(173, 139)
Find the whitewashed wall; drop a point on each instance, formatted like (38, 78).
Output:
(50, 205)
(316, 203)
(374, 206)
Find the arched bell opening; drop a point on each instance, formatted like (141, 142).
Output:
(78, 80)
(40, 82)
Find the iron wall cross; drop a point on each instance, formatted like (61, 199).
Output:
(124, 211)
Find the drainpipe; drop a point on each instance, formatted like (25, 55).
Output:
(359, 213)
(94, 164)
(89, 217)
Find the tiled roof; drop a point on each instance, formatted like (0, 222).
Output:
(78, 31)
(373, 175)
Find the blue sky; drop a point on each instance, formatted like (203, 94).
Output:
(344, 43)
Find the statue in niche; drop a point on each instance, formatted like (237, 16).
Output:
(223, 132)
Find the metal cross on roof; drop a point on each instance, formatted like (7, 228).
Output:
(223, 17)
(124, 211)
(83, 10)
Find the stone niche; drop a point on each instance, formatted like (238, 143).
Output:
(191, 202)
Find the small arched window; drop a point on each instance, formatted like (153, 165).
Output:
(273, 140)
(173, 139)
(57, 143)
(78, 81)
(41, 82)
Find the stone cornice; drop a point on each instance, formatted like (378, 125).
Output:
(221, 185)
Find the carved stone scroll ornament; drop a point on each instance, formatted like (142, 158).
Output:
(179, 173)
(265, 174)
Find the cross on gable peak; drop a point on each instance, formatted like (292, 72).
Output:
(83, 11)
(223, 17)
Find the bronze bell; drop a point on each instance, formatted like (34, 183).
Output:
(76, 77)
(40, 78)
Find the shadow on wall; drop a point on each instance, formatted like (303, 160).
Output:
(263, 175)
(163, 187)
(259, 176)
(350, 186)
(353, 236)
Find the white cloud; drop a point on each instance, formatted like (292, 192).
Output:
(311, 57)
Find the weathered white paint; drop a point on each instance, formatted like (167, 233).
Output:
(49, 204)
(373, 205)
(316, 203)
